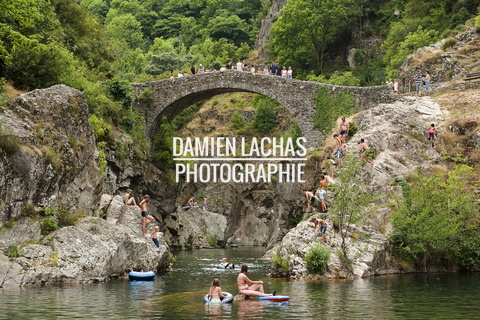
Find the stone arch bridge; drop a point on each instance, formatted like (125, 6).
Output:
(169, 97)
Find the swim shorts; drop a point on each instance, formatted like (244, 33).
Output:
(311, 199)
(339, 153)
(343, 132)
(144, 213)
(322, 194)
(323, 229)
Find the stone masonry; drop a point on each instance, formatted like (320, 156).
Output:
(171, 96)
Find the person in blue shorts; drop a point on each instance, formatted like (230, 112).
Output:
(310, 199)
(320, 226)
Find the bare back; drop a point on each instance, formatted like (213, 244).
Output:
(143, 205)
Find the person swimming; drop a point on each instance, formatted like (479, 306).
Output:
(215, 292)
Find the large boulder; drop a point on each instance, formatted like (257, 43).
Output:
(195, 228)
(93, 250)
(48, 155)
(397, 134)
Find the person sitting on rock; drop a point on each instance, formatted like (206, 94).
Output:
(192, 202)
(255, 288)
(129, 201)
(320, 225)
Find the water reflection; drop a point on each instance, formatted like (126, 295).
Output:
(179, 295)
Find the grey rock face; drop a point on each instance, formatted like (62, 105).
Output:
(93, 250)
(54, 163)
(396, 132)
(195, 228)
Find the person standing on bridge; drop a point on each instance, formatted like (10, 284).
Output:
(193, 70)
(273, 69)
(290, 73)
(239, 65)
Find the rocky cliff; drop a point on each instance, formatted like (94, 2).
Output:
(263, 36)
(396, 133)
(48, 155)
(93, 250)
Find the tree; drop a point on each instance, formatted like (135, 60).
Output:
(306, 28)
(351, 201)
(437, 221)
(265, 118)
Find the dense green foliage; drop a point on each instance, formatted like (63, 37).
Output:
(265, 119)
(313, 36)
(317, 258)
(437, 222)
(329, 108)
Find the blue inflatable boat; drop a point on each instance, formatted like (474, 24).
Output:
(230, 266)
(228, 299)
(141, 276)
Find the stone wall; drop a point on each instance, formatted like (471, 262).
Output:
(171, 96)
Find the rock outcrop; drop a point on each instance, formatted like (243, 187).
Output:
(93, 250)
(195, 228)
(263, 37)
(396, 133)
(47, 153)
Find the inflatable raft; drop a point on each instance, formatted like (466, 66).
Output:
(141, 276)
(228, 299)
(230, 266)
(274, 298)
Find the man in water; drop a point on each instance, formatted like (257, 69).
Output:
(255, 288)
(146, 218)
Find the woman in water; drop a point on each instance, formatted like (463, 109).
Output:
(255, 288)
(215, 292)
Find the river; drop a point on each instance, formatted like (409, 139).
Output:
(178, 295)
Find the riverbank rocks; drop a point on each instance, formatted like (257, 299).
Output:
(396, 132)
(48, 155)
(93, 250)
(195, 228)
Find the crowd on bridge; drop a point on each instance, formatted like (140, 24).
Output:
(272, 69)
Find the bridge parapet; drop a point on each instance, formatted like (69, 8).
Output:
(171, 96)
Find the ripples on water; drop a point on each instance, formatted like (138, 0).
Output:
(178, 295)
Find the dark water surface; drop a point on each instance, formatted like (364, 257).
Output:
(178, 295)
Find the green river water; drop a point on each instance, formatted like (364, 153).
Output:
(178, 295)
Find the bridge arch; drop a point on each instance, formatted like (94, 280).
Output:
(171, 96)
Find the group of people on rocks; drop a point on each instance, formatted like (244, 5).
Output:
(272, 69)
(419, 79)
(192, 202)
